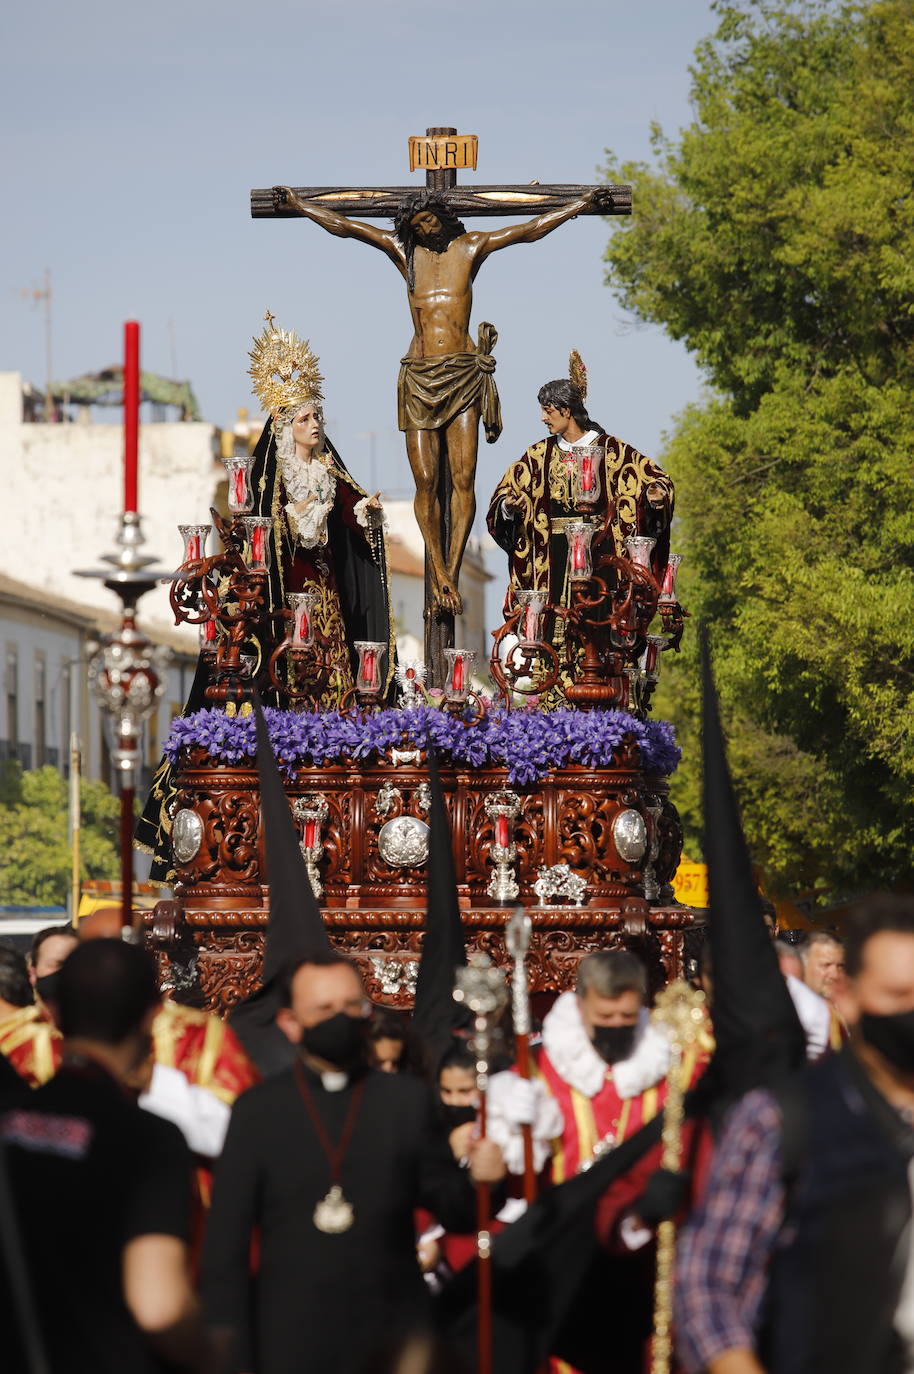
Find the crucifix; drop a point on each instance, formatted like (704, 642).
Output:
(446, 383)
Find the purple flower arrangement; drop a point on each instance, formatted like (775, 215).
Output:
(529, 742)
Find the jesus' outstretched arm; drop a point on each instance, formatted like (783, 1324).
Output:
(533, 229)
(285, 198)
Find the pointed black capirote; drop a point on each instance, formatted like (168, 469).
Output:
(435, 1013)
(757, 1032)
(295, 927)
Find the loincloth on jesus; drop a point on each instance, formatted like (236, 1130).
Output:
(432, 391)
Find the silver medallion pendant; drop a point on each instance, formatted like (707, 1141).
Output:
(333, 1214)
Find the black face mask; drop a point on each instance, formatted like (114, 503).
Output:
(892, 1036)
(614, 1043)
(452, 1117)
(48, 986)
(340, 1040)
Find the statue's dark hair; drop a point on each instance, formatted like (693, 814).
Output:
(436, 204)
(562, 394)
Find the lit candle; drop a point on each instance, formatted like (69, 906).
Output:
(302, 625)
(457, 676)
(578, 560)
(370, 667)
(668, 589)
(239, 488)
(257, 544)
(131, 413)
(587, 472)
(501, 831)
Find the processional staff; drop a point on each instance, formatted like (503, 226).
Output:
(679, 1010)
(517, 939)
(480, 986)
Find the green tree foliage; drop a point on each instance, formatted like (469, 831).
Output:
(34, 846)
(775, 237)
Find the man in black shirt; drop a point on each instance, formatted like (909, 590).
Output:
(329, 1160)
(102, 1189)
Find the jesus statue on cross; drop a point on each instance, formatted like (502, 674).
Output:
(446, 382)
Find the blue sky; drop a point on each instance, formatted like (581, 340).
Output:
(132, 135)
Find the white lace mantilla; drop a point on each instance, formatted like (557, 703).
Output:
(308, 480)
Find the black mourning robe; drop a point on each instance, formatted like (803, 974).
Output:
(326, 1302)
(361, 577)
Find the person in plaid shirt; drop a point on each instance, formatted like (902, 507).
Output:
(800, 1259)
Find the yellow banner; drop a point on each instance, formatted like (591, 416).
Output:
(690, 884)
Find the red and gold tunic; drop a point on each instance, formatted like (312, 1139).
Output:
(602, 1102)
(202, 1046)
(205, 1049)
(32, 1044)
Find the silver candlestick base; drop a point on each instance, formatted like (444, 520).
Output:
(503, 808)
(311, 811)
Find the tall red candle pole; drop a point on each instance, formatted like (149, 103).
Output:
(131, 413)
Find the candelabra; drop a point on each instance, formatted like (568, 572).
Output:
(224, 594)
(126, 678)
(503, 808)
(609, 658)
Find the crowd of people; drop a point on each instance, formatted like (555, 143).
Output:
(344, 1197)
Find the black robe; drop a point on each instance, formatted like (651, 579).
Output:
(326, 1302)
(363, 581)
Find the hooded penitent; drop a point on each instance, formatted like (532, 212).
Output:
(759, 1039)
(295, 928)
(435, 1013)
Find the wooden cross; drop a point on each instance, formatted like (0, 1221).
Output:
(383, 202)
(440, 153)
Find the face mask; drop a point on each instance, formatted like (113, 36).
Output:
(47, 987)
(452, 1117)
(892, 1036)
(614, 1043)
(340, 1040)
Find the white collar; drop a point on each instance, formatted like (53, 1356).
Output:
(333, 1081)
(589, 438)
(572, 1054)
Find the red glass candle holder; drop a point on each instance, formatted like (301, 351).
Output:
(209, 636)
(369, 678)
(588, 460)
(532, 604)
(301, 605)
(460, 663)
(668, 586)
(240, 492)
(651, 658)
(195, 537)
(639, 547)
(257, 530)
(579, 534)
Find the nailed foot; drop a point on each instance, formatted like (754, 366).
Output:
(447, 599)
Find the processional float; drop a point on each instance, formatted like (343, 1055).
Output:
(566, 811)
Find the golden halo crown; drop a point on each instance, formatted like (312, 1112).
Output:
(284, 370)
(577, 372)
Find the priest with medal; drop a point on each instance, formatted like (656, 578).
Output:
(327, 1162)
